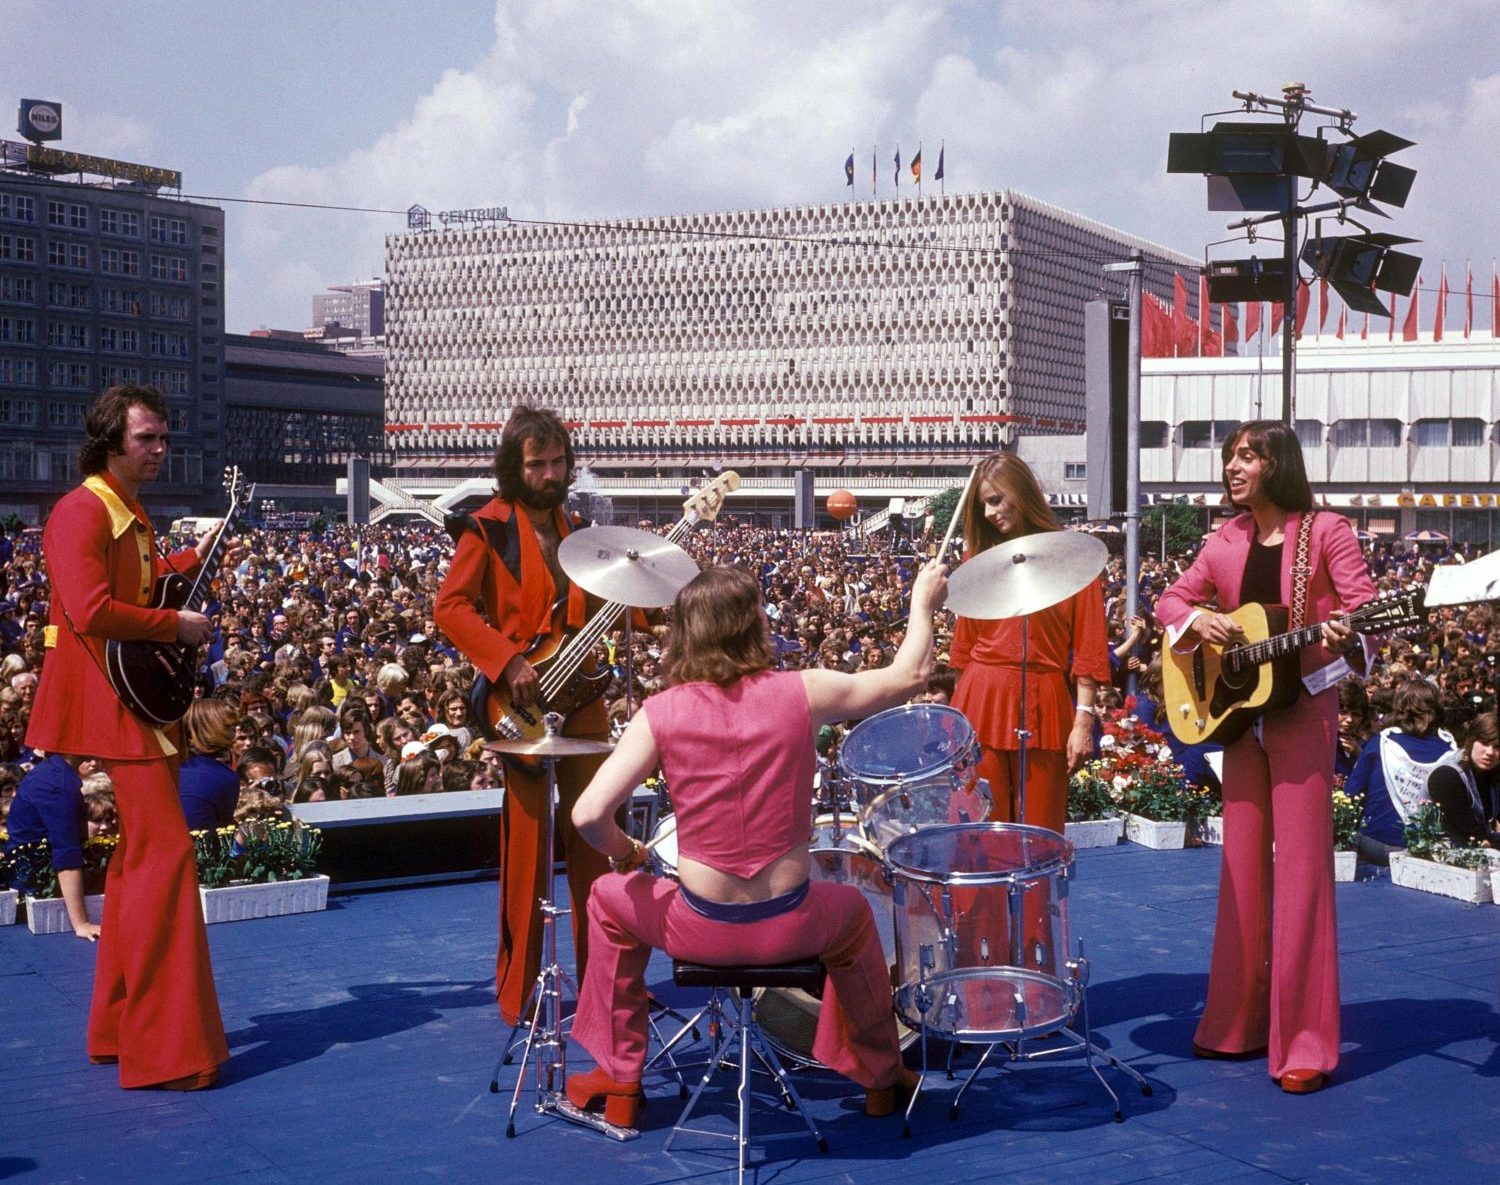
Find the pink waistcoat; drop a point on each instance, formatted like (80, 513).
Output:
(739, 765)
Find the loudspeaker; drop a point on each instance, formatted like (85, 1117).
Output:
(804, 505)
(1106, 359)
(358, 499)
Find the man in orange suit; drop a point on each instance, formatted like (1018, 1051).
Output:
(154, 1010)
(504, 590)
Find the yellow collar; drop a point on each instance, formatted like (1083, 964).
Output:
(121, 517)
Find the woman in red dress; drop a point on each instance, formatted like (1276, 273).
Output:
(1064, 642)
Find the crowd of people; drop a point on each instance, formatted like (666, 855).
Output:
(327, 678)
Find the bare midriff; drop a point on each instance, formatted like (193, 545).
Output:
(780, 876)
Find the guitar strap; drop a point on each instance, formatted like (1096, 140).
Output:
(1301, 570)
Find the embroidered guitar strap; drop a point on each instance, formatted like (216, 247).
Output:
(1301, 570)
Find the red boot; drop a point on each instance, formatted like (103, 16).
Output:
(620, 1100)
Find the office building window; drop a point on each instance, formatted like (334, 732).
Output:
(18, 288)
(62, 295)
(1365, 434)
(169, 308)
(126, 223)
(168, 267)
(72, 376)
(120, 262)
(69, 214)
(168, 230)
(21, 412)
(63, 335)
(110, 375)
(170, 382)
(17, 207)
(18, 372)
(74, 255)
(20, 248)
(18, 331)
(125, 301)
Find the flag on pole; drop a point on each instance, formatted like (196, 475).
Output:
(1278, 311)
(1322, 305)
(849, 170)
(1304, 302)
(1343, 322)
(1494, 301)
(916, 166)
(1364, 330)
(938, 176)
(1252, 320)
(898, 166)
(1442, 305)
(1468, 298)
(1409, 327)
(1230, 325)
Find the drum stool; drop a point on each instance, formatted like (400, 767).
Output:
(808, 976)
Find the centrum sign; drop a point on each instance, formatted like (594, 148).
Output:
(52, 160)
(486, 214)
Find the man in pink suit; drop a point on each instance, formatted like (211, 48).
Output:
(1273, 984)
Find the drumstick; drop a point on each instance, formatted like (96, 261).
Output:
(958, 510)
(650, 845)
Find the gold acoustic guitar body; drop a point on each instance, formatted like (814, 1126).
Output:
(1208, 696)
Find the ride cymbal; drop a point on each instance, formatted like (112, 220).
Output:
(1025, 575)
(551, 745)
(623, 564)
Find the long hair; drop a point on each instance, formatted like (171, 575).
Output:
(1417, 708)
(1013, 477)
(1286, 483)
(210, 726)
(104, 427)
(1484, 727)
(719, 633)
(541, 427)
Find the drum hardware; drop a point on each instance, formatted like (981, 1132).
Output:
(970, 903)
(544, 1034)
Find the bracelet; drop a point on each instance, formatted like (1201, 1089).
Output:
(1086, 710)
(631, 859)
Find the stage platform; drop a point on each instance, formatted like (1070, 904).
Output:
(363, 1040)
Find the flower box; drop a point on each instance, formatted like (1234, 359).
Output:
(1466, 884)
(49, 915)
(1209, 831)
(1344, 864)
(1152, 833)
(239, 903)
(1494, 859)
(8, 900)
(1095, 833)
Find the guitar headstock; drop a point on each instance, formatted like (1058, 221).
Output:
(1393, 611)
(234, 486)
(703, 504)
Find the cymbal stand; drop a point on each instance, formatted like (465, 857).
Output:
(544, 1036)
(1023, 734)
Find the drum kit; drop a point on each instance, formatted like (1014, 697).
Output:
(972, 914)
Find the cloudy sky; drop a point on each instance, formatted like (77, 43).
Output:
(606, 108)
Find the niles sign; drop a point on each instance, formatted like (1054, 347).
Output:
(52, 160)
(39, 120)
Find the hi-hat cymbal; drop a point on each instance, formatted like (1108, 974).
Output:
(1025, 575)
(550, 745)
(623, 564)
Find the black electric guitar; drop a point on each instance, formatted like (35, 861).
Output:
(155, 680)
(1213, 693)
(559, 655)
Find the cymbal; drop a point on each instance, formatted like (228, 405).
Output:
(1025, 575)
(551, 745)
(623, 564)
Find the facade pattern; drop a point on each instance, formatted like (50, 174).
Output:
(915, 331)
(105, 284)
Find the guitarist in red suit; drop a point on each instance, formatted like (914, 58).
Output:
(1273, 988)
(155, 1010)
(503, 590)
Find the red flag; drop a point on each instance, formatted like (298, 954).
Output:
(1468, 299)
(1409, 327)
(1494, 302)
(1156, 328)
(1442, 305)
(1343, 323)
(1252, 319)
(1304, 302)
(1184, 332)
(1277, 311)
(1322, 305)
(1231, 326)
(1205, 319)
(1364, 330)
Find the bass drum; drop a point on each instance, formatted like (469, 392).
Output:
(841, 855)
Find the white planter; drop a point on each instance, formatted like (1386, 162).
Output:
(8, 901)
(1465, 884)
(1151, 833)
(1095, 833)
(50, 915)
(239, 903)
(1494, 859)
(1209, 831)
(1344, 864)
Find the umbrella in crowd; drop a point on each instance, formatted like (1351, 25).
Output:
(1427, 537)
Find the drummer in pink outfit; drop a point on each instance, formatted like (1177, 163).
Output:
(735, 741)
(1273, 986)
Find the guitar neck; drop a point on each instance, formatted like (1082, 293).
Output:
(1279, 646)
(203, 582)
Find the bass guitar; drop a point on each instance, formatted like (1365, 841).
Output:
(155, 680)
(1213, 693)
(559, 656)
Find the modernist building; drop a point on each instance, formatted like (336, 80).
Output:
(103, 281)
(358, 308)
(296, 411)
(913, 332)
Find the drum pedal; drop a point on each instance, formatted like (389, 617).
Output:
(565, 1109)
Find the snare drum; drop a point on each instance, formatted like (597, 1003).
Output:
(914, 767)
(981, 920)
(662, 850)
(841, 855)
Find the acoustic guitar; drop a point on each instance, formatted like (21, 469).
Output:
(1214, 693)
(155, 680)
(559, 655)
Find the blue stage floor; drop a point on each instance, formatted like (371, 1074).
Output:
(363, 1041)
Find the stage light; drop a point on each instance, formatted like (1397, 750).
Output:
(1247, 163)
(1231, 281)
(1355, 266)
(1358, 169)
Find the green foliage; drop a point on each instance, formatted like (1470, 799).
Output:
(1348, 813)
(31, 867)
(1159, 791)
(942, 507)
(258, 851)
(1427, 839)
(1089, 796)
(1184, 529)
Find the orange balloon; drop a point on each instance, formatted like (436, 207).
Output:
(842, 505)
